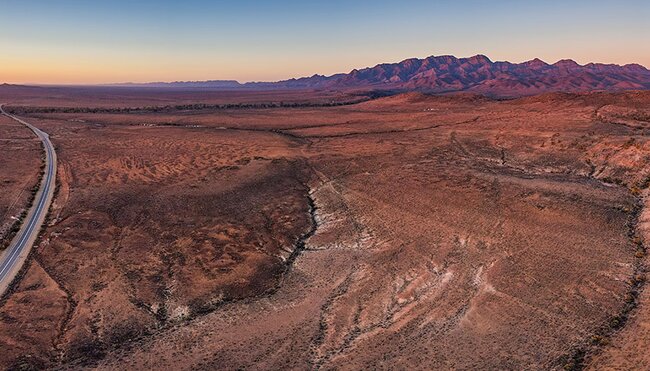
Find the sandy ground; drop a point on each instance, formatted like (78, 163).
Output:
(20, 158)
(449, 233)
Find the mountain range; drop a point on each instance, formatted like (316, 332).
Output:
(439, 74)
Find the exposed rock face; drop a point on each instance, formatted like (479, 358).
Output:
(447, 74)
(480, 74)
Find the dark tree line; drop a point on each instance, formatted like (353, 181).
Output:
(182, 107)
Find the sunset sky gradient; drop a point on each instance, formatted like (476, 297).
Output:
(75, 41)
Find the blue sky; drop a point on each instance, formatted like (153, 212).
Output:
(74, 41)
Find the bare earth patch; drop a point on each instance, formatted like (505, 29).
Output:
(409, 231)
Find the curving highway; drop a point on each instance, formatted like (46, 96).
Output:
(12, 259)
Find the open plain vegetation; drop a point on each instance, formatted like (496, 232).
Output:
(413, 231)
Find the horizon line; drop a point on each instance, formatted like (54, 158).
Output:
(243, 83)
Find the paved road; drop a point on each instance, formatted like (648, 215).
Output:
(12, 259)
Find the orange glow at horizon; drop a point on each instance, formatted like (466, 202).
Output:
(88, 42)
(115, 69)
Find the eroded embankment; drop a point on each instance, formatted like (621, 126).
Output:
(623, 166)
(95, 352)
(580, 356)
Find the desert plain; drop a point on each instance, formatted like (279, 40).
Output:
(327, 230)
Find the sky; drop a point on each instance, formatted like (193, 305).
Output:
(98, 41)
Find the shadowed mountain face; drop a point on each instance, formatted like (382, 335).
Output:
(479, 74)
(476, 74)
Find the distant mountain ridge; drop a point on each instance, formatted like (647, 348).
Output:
(184, 84)
(438, 74)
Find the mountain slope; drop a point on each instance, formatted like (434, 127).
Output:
(480, 74)
(448, 74)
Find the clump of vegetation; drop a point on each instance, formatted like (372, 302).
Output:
(6, 239)
(599, 340)
(183, 107)
(641, 116)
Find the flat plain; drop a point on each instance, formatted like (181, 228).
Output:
(409, 231)
(20, 157)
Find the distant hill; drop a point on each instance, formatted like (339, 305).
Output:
(211, 84)
(476, 74)
(479, 74)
